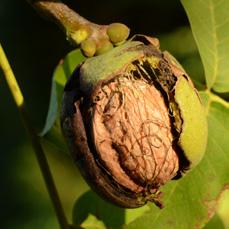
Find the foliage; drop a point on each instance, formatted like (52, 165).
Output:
(210, 22)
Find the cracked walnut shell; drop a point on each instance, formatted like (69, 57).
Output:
(127, 118)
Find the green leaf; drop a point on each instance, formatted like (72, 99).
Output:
(220, 220)
(209, 20)
(223, 208)
(112, 216)
(91, 222)
(190, 201)
(52, 131)
(214, 223)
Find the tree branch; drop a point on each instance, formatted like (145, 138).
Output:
(94, 38)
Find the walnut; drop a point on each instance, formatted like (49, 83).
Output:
(126, 123)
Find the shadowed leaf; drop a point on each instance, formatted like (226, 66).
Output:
(90, 204)
(52, 131)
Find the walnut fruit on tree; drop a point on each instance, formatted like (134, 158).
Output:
(133, 121)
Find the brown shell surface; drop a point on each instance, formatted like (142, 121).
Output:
(131, 131)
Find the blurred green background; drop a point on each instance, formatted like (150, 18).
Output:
(34, 47)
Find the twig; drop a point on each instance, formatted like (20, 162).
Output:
(79, 29)
(75, 26)
(42, 160)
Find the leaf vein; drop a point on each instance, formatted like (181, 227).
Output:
(215, 41)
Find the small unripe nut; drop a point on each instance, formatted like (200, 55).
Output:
(133, 121)
(118, 32)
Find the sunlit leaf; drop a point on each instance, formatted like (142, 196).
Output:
(209, 20)
(221, 220)
(91, 222)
